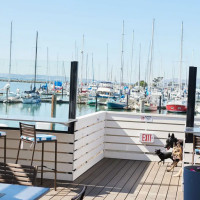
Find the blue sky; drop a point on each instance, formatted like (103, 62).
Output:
(60, 23)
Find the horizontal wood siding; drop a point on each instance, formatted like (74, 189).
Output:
(122, 131)
(89, 142)
(65, 149)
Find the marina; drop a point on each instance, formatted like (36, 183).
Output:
(99, 100)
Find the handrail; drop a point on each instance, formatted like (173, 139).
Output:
(38, 119)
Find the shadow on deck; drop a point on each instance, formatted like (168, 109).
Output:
(119, 180)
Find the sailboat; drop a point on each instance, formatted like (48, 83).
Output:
(32, 96)
(10, 97)
(119, 104)
(178, 105)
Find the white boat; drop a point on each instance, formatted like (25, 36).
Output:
(150, 107)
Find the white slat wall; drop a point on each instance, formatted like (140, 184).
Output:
(99, 135)
(65, 150)
(89, 142)
(122, 132)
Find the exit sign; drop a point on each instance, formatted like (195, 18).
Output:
(146, 137)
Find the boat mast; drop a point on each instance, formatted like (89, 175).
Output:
(82, 53)
(181, 59)
(122, 56)
(10, 52)
(92, 69)
(107, 63)
(64, 74)
(147, 68)
(132, 58)
(111, 74)
(139, 67)
(86, 69)
(47, 64)
(35, 59)
(151, 58)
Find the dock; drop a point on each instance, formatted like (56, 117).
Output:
(122, 180)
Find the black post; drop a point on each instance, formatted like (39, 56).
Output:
(191, 102)
(73, 94)
(127, 101)
(159, 104)
(96, 102)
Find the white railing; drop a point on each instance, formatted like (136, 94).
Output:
(99, 135)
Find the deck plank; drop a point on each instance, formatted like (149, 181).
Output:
(148, 182)
(173, 186)
(119, 179)
(138, 185)
(92, 179)
(70, 186)
(106, 190)
(127, 188)
(163, 190)
(99, 187)
(156, 184)
(115, 190)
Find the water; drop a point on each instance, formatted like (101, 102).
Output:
(44, 109)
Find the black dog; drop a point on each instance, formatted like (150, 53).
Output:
(171, 141)
(163, 155)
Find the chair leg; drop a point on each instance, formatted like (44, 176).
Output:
(33, 154)
(193, 158)
(18, 151)
(55, 165)
(5, 149)
(41, 181)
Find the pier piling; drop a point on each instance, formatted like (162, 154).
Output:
(53, 109)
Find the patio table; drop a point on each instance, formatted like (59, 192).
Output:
(17, 192)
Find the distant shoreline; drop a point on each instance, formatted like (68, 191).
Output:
(24, 81)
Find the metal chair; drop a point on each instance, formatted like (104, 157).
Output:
(80, 195)
(3, 135)
(196, 148)
(28, 134)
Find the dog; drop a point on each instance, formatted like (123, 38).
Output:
(177, 151)
(171, 141)
(163, 155)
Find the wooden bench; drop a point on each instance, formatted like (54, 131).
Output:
(17, 174)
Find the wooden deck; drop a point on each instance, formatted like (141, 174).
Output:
(121, 179)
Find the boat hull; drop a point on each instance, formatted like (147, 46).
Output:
(31, 100)
(176, 108)
(115, 105)
(150, 108)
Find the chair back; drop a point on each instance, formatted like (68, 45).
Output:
(196, 142)
(27, 130)
(80, 195)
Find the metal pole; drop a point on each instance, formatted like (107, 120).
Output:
(96, 101)
(127, 101)
(73, 93)
(191, 102)
(160, 105)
